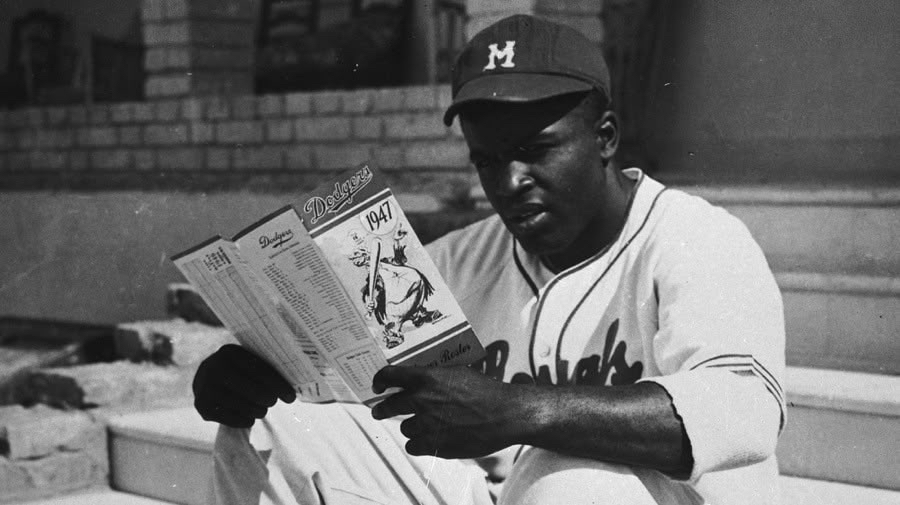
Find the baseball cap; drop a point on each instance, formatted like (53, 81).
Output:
(522, 58)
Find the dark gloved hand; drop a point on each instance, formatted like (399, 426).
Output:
(235, 387)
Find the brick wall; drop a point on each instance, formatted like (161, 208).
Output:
(219, 143)
(95, 199)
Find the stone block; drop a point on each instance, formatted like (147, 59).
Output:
(167, 110)
(174, 341)
(55, 474)
(239, 132)
(388, 99)
(238, 34)
(78, 160)
(414, 126)
(97, 136)
(48, 160)
(34, 116)
(167, 85)
(341, 157)
(183, 158)
(217, 108)
(53, 139)
(57, 115)
(202, 132)
(115, 384)
(437, 154)
(111, 159)
(367, 127)
(243, 107)
(18, 161)
(155, 59)
(270, 105)
(297, 104)
(218, 158)
(231, 58)
(389, 156)
(145, 159)
(152, 10)
(166, 33)
(76, 114)
(322, 128)
(175, 9)
(420, 97)
(356, 102)
(444, 98)
(25, 139)
(298, 158)
(326, 102)
(166, 134)
(41, 430)
(258, 158)
(224, 9)
(121, 112)
(130, 135)
(143, 112)
(279, 130)
(192, 108)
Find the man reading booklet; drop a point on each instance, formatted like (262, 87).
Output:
(634, 334)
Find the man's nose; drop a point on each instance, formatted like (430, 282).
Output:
(515, 178)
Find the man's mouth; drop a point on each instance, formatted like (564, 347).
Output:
(526, 215)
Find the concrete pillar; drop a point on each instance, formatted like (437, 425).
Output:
(198, 47)
(483, 13)
(583, 15)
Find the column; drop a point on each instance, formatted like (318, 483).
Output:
(198, 47)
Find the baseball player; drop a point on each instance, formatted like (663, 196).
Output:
(635, 334)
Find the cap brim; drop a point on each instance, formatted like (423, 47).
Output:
(513, 88)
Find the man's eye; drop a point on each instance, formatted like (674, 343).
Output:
(531, 149)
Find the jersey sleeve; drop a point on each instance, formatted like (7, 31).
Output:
(720, 342)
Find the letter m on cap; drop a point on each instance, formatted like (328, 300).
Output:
(506, 55)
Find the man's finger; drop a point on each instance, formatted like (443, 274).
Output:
(398, 404)
(246, 391)
(396, 376)
(253, 366)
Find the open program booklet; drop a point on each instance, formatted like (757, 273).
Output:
(331, 292)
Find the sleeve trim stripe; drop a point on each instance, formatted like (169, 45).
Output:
(751, 368)
(742, 360)
(771, 385)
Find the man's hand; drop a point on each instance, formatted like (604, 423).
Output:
(235, 387)
(457, 412)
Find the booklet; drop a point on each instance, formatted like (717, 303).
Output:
(333, 290)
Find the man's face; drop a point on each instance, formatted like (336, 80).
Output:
(541, 169)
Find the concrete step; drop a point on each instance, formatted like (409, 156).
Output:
(98, 497)
(165, 455)
(839, 321)
(843, 427)
(842, 230)
(799, 491)
(840, 441)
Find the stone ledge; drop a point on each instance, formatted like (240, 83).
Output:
(845, 391)
(116, 384)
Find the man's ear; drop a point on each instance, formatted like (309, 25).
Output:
(606, 130)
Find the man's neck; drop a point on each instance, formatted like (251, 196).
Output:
(603, 230)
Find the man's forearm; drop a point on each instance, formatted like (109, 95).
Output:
(633, 425)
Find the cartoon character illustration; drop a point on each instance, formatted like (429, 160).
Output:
(400, 291)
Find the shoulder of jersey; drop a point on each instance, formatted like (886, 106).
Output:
(478, 250)
(687, 218)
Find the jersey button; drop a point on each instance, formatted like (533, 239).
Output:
(544, 351)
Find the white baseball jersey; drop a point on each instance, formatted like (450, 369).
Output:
(682, 297)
